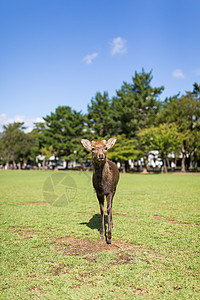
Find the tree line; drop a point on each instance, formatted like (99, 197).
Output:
(136, 115)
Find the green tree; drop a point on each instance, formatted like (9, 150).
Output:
(15, 144)
(124, 150)
(99, 116)
(38, 142)
(63, 131)
(164, 138)
(185, 112)
(196, 127)
(196, 89)
(136, 105)
(145, 146)
(47, 152)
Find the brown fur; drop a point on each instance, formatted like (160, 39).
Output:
(105, 178)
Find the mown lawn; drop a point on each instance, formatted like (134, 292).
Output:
(50, 247)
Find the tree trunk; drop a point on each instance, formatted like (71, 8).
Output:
(168, 164)
(183, 160)
(44, 163)
(183, 163)
(146, 162)
(144, 171)
(25, 163)
(164, 167)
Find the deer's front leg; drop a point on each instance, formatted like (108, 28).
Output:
(101, 204)
(109, 212)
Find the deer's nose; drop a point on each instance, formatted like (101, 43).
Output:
(100, 156)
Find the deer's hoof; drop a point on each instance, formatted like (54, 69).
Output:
(109, 241)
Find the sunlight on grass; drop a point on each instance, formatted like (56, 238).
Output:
(52, 250)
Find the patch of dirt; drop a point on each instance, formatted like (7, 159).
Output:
(75, 247)
(158, 218)
(25, 232)
(125, 253)
(174, 222)
(123, 258)
(61, 269)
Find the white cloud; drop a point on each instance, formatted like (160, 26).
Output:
(118, 46)
(28, 122)
(89, 58)
(178, 73)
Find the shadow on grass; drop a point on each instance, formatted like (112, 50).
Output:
(95, 223)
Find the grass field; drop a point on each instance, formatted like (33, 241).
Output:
(50, 246)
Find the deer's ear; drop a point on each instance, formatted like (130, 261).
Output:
(110, 143)
(86, 144)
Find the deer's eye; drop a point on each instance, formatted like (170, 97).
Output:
(92, 148)
(106, 148)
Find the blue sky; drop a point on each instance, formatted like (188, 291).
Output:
(62, 52)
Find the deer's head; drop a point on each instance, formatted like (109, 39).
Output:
(98, 149)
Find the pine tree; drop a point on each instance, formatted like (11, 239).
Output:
(99, 116)
(136, 105)
(63, 132)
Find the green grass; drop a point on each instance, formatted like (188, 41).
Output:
(54, 252)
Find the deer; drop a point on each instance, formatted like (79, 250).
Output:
(105, 179)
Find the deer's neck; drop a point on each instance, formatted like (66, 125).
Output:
(100, 170)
